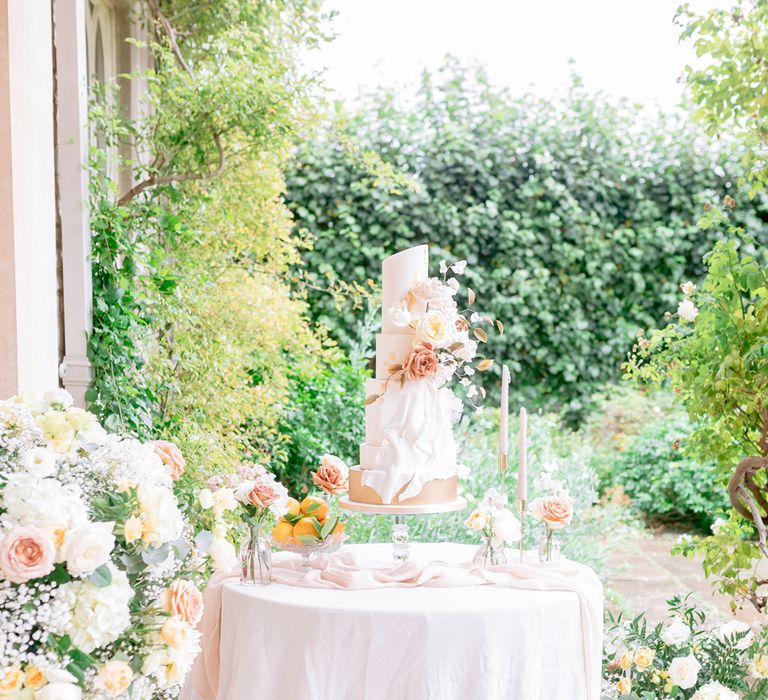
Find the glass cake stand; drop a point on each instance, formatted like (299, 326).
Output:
(399, 512)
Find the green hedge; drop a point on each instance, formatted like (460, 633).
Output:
(578, 217)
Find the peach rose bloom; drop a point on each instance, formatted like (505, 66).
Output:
(175, 632)
(420, 362)
(263, 494)
(34, 678)
(182, 598)
(477, 521)
(26, 553)
(555, 511)
(332, 476)
(171, 456)
(11, 679)
(115, 677)
(624, 686)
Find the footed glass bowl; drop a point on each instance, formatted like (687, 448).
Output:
(330, 544)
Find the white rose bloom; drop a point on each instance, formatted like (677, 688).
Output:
(430, 290)
(222, 553)
(684, 671)
(205, 498)
(688, 287)
(161, 514)
(96, 616)
(505, 526)
(59, 691)
(714, 691)
(459, 267)
(87, 547)
(58, 398)
(39, 461)
(437, 329)
(730, 629)
(687, 311)
(675, 633)
(400, 315)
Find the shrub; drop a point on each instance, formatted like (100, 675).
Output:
(664, 483)
(577, 217)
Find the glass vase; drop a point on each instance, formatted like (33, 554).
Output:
(256, 558)
(549, 547)
(489, 554)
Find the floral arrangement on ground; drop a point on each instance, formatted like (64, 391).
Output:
(685, 658)
(95, 559)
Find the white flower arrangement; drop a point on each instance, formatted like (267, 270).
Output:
(494, 520)
(92, 547)
(446, 337)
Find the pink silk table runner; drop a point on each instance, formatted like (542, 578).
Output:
(345, 571)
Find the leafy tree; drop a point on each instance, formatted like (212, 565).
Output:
(577, 217)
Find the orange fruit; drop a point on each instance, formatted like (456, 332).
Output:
(339, 528)
(305, 526)
(320, 512)
(282, 532)
(294, 507)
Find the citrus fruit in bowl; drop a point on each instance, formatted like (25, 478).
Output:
(308, 528)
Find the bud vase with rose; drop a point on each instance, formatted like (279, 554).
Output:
(498, 526)
(259, 495)
(555, 511)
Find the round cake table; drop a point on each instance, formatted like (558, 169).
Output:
(454, 643)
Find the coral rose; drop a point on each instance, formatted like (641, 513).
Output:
(26, 553)
(555, 511)
(171, 456)
(182, 598)
(420, 362)
(332, 475)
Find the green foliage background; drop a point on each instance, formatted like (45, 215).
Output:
(578, 217)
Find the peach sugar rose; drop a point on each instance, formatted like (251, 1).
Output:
(262, 495)
(420, 362)
(26, 553)
(182, 598)
(171, 456)
(332, 476)
(555, 511)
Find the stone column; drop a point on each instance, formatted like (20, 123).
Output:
(29, 318)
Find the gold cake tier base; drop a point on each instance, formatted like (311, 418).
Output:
(436, 496)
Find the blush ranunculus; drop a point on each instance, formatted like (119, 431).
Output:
(421, 361)
(555, 511)
(26, 553)
(171, 456)
(183, 598)
(332, 476)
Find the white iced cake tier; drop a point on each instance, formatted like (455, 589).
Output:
(409, 453)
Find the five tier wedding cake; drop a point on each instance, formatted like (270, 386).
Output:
(409, 454)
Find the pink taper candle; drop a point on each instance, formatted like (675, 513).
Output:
(504, 416)
(522, 471)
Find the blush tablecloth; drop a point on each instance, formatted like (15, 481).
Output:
(535, 635)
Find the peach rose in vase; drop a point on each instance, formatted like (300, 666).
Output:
(556, 512)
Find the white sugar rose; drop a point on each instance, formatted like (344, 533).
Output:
(714, 691)
(400, 315)
(684, 671)
(468, 349)
(429, 290)
(676, 633)
(687, 311)
(86, 548)
(730, 629)
(39, 461)
(436, 328)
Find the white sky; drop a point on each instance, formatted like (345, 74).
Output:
(622, 47)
